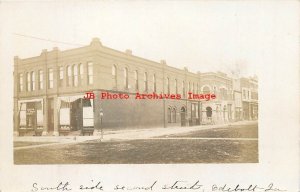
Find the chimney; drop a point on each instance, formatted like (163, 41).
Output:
(128, 52)
(96, 42)
(163, 62)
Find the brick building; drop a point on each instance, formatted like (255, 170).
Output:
(249, 89)
(49, 91)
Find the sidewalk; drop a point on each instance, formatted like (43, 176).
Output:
(111, 135)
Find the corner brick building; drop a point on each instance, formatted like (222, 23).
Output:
(49, 91)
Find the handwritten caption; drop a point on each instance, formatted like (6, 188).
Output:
(156, 186)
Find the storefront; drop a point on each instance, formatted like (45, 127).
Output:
(31, 116)
(76, 114)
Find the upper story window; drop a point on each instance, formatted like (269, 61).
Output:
(136, 80)
(197, 88)
(90, 73)
(21, 86)
(33, 80)
(28, 80)
(189, 86)
(61, 76)
(126, 86)
(206, 90)
(154, 83)
(168, 85)
(223, 93)
(69, 75)
(80, 67)
(75, 75)
(114, 75)
(145, 81)
(50, 78)
(193, 87)
(41, 79)
(176, 86)
(183, 89)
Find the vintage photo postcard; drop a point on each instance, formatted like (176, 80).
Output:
(150, 96)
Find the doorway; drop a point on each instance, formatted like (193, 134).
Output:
(183, 115)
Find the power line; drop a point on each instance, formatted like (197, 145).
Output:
(49, 40)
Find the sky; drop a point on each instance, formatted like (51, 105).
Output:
(200, 35)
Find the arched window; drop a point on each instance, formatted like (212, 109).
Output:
(168, 85)
(174, 115)
(183, 89)
(206, 90)
(136, 79)
(193, 87)
(21, 82)
(90, 73)
(61, 76)
(114, 76)
(50, 78)
(145, 81)
(75, 75)
(32, 80)
(41, 79)
(154, 83)
(69, 74)
(28, 82)
(223, 93)
(208, 111)
(126, 78)
(80, 67)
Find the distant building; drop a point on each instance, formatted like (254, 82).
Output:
(222, 109)
(49, 91)
(249, 89)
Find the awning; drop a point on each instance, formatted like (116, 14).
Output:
(71, 98)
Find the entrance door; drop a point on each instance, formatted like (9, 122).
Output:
(76, 115)
(183, 115)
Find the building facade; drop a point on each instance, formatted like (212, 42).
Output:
(249, 90)
(50, 88)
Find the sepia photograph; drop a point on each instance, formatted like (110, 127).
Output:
(97, 104)
(149, 96)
